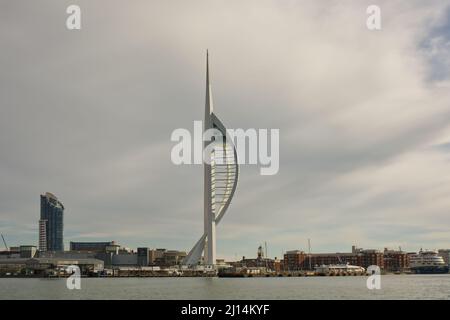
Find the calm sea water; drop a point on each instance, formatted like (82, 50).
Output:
(392, 287)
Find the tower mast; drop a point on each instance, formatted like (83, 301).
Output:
(219, 182)
(208, 204)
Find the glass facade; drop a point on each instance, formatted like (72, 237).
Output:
(52, 212)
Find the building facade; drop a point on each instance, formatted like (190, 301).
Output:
(371, 258)
(143, 257)
(171, 258)
(296, 260)
(51, 224)
(27, 251)
(48, 265)
(395, 260)
(261, 261)
(155, 255)
(125, 260)
(42, 235)
(98, 247)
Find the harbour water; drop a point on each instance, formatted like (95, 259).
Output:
(392, 287)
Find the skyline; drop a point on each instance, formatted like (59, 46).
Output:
(363, 119)
(202, 244)
(263, 252)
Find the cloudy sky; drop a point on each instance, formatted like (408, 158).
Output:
(364, 119)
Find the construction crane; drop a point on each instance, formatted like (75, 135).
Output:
(4, 242)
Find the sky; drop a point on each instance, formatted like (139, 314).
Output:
(364, 120)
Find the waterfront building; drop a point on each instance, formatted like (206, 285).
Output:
(155, 255)
(318, 259)
(51, 224)
(68, 255)
(12, 266)
(27, 251)
(220, 180)
(277, 265)
(47, 266)
(104, 251)
(106, 256)
(12, 253)
(259, 262)
(295, 260)
(143, 256)
(173, 258)
(339, 269)
(42, 266)
(124, 250)
(371, 257)
(159, 257)
(98, 247)
(113, 255)
(395, 260)
(42, 235)
(299, 260)
(125, 259)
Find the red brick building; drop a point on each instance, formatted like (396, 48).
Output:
(395, 260)
(299, 260)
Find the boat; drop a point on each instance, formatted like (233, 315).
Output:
(427, 262)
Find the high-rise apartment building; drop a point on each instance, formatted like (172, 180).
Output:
(51, 224)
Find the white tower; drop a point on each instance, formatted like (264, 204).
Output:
(208, 204)
(220, 181)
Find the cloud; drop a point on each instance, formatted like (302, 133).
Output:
(88, 115)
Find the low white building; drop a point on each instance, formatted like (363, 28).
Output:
(339, 269)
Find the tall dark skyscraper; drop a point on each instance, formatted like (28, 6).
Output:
(51, 224)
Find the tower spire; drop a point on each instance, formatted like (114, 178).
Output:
(219, 183)
(208, 198)
(209, 102)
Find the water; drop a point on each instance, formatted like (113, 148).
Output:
(392, 287)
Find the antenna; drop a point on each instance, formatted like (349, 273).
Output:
(6, 246)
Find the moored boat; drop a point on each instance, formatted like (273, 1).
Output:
(427, 262)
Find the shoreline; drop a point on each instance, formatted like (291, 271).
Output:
(296, 275)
